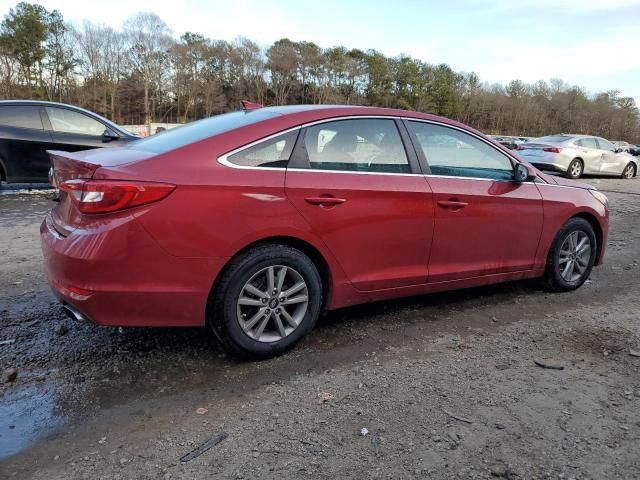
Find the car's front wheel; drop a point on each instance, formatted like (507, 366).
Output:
(629, 171)
(268, 298)
(572, 256)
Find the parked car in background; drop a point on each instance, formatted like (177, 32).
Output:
(575, 155)
(279, 213)
(511, 142)
(621, 146)
(29, 128)
(635, 150)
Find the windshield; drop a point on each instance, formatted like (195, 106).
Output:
(195, 131)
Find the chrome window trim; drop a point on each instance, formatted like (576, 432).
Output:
(224, 159)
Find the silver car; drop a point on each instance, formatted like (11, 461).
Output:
(621, 146)
(575, 155)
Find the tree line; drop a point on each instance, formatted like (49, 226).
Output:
(142, 73)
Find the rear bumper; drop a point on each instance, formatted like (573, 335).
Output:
(114, 273)
(549, 161)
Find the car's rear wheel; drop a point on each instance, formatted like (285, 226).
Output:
(267, 299)
(629, 171)
(575, 169)
(571, 256)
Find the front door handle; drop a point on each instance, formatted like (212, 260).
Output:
(324, 201)
(452, 204)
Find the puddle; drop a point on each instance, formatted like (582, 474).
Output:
(25, 415)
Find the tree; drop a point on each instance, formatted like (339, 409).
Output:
(23, 33)
(281, 61)
(149, 40)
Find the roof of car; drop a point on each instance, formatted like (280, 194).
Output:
(65, 105)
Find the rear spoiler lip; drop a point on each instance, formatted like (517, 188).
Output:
(81, 167)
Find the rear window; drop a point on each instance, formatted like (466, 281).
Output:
(196, 131)
(553, 139)
(21, 116)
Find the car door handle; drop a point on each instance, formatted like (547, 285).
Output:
(452, 204)
(324, 201)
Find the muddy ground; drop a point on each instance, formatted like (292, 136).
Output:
(445, 384)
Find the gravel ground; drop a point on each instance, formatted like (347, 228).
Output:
(445, 385)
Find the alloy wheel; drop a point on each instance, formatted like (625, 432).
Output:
(628, 172)
(576, 169)
(272, 303)
(575, 254)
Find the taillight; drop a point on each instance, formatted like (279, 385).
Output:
(552, 149)
(105, 196)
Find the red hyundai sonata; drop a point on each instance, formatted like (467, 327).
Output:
(254, 222)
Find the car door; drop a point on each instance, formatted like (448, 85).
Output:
(72, 130)
(362, 193)
(23, 143)
(591, 154)
(612, 163)
(485, 223)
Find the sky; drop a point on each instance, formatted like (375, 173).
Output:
(591, 43)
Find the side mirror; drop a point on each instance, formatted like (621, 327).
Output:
(617, 150)
(108, 135)
(524, 173)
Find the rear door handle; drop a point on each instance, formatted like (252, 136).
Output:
(452, 204)
(324, 201)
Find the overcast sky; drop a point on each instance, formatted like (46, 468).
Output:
(591, 43)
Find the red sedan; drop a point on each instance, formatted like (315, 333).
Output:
(253, 222)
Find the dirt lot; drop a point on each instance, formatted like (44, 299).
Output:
(446, 384)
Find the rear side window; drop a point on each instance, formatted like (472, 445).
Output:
(451, 152)
(587, 143)
(27, 116)
(271, 153)
(360, 145)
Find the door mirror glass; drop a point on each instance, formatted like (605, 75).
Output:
(524, 173)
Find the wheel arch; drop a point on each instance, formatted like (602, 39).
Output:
(597, 228)
(305, 247)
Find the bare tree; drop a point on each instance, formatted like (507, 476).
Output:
(148, 40)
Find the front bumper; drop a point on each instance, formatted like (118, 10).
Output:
(114, 273)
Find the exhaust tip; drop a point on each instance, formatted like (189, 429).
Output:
(73, 313)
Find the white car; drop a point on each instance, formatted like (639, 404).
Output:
(575, 155)
(622, 146)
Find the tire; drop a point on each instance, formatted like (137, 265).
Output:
(629, 171)
(287, 319)
(575, 169)
(556, 277)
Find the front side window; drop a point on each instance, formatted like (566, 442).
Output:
(605, 145)
(271, 153)
(68, 121)
(26, 116)
(451, 152)
(360, 145)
